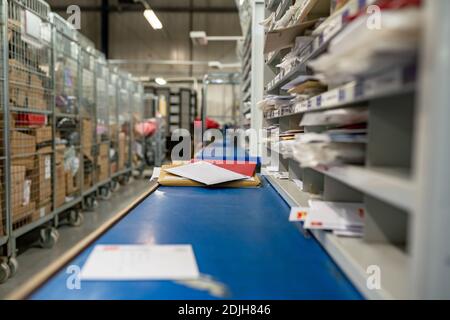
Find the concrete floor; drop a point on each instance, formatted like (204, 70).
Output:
(32, 260)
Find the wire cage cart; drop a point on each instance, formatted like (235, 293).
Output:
(103, 137)
(88, 121)
(124, 169)
(155, 145)
(139, 130)
(5, 253)
(113, 114)
(29, 119)
(67, 129)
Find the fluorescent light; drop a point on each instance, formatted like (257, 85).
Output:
(199, 37)
(215, 64)
(161, 81)
(153, 19)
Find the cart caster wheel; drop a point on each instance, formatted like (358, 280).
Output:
(125, 180)
(5, 272)
(138, 174)
(115, 186)
(76, 218)
(105, 193)
(13, 265)
(91, 203)
(48, 238)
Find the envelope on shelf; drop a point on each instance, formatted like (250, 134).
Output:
(336, 216)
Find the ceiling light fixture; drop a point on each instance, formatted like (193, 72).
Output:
(161, 81)
(200, 38)
(151, 17)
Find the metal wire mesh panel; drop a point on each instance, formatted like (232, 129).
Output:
(139, 127)
(67, 127)
(185, 106)
(103, 129)
(30, 105)
(124, 160)
(3, 132)
(137, 102)
(87, 111)
(113, 114)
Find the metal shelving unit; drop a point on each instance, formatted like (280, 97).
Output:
(194, 105)
(398, 182)
(186, 109)
(246, 74)
(174, 113)
(400, 80)
(252, 13)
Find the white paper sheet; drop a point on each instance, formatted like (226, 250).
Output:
(335, 216)
(298, 214)
(156, 173)
(33, 25)
(141, 262)
(206, 173)
(298, 183)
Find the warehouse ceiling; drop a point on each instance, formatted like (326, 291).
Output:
(128, 36)
(157, 5)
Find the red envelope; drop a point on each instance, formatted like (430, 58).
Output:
(246, 168)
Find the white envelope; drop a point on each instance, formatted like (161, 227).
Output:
(140, 262)
(206, 173)
(335, 216)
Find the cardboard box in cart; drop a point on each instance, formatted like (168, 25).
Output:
(42, 211)
(87, 183)
(17, 95)
(71, 183)
(60, 195)
(59, 154)
(103, 168)
(23, 148)
(122, 150)
(42, 177)
(36, 94)
(18, 80)
(22, 143)
(21, 204)
(87, 137)
(103, 163)
(43, 134)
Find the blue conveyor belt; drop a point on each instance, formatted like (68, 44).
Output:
(241, 237)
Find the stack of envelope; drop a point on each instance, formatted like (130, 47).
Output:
(210, 173)
(342, 218)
